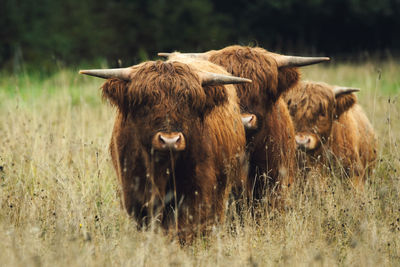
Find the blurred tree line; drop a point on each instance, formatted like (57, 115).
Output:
(72, 32)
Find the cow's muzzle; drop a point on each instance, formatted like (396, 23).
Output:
(174, 141)
(249, 121)
(306, 142)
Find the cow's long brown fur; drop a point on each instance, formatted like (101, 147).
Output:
(272, 147)
(344, 132)
(168, 96)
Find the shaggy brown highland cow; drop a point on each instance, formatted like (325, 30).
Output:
(178, 143)
(270, 143)
(333, 129)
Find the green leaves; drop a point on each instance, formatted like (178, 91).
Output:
(46, 33)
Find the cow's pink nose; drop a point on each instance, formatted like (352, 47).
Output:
(249, 121)
(174, 141)
(303, 141)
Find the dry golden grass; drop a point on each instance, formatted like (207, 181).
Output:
(58, 201)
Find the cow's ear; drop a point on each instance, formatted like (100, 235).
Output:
(344, 102)
(287, 78)
(115, 91)
(215, 95)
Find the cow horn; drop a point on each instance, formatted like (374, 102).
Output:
(190, 55)
(292, 61)
(209, 78)
(121, 73)
(162, 54)
(338, 90)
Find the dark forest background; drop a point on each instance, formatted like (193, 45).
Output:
(72, 32)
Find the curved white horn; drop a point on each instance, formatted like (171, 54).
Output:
(162, 54)
(120, 73)
(340, 90)
(292, 61)
(209, 78)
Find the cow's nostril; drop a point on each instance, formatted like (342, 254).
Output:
(161, 139)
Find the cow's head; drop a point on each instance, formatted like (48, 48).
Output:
(314, 107)
(166, 101)
(272, 74)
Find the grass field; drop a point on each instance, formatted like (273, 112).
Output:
(58, 201)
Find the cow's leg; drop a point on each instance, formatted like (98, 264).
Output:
(203, 202)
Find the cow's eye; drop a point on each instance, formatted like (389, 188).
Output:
(321, 112)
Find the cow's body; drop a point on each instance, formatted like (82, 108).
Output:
(354, 143)
(337, 131)
(185, 190)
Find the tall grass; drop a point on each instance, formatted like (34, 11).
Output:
(59, 206)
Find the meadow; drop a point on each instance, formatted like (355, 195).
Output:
(59, 206)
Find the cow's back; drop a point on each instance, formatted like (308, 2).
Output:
(368, 142)
(353, 141)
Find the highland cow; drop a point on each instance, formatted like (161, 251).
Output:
(270, 132)
(333, 129)
(178, 143)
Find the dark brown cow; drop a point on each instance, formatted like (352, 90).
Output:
(332, 128)
(270, 140)
(178, 142)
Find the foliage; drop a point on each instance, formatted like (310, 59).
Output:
(68, 32)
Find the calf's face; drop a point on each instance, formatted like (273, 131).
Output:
(313, 108)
